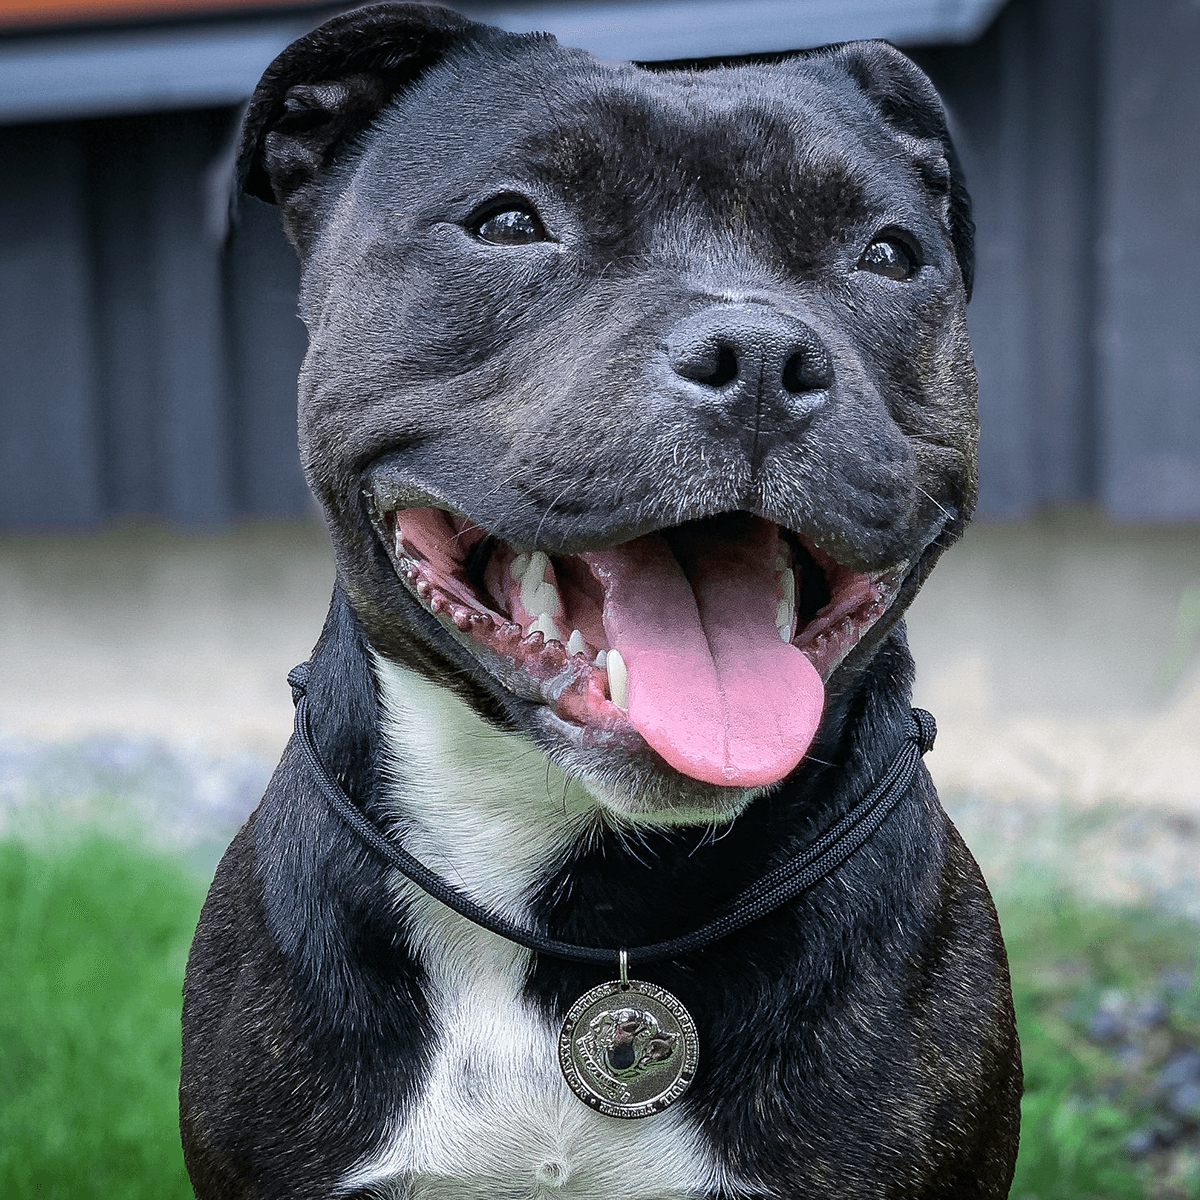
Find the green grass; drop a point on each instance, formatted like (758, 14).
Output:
(1087, 1096)
(94, 938)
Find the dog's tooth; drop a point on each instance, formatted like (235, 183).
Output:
(546, 626)
(601, 659)
(785, 618)
(518, 567)
(575, 644)
(538, 594)
(789, 586)
(780, 562)
(539, 560)
(548, 600)
(618, 680)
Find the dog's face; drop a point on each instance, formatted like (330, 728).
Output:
(640, 402)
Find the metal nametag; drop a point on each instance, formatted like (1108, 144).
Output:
(628, 1048)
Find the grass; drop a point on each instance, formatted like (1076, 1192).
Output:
(1107, 1000)
(95, 936)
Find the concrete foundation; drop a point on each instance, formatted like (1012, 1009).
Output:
(1060, 656)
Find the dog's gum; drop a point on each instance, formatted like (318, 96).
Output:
(583, 703)
(530, 655)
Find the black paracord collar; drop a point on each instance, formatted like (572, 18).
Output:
(772, 891)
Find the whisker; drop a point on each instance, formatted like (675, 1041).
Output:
(550, 508)
(929, 497)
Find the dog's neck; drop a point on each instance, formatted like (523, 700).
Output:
(483, 808)
(486, 810)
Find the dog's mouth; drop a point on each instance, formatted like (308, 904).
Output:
(710, 641)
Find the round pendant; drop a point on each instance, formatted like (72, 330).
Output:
(628, 1049)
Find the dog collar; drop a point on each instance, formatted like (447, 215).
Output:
(628, 1048)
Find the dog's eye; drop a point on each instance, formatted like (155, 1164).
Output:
(512, 227)
(889, 257)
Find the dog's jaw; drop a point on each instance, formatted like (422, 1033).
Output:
(675, 637)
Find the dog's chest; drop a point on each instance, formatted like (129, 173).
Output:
(493, 1117)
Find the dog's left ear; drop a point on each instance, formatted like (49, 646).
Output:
(908, 101)
(325, 89)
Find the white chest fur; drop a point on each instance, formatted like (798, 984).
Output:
(495, 1119)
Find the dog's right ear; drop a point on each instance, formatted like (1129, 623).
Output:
(325, 89)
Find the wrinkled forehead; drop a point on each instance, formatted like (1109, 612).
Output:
(560, 119)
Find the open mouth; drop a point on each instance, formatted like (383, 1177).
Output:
(710, 641)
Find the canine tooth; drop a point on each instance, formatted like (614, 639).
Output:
(785, 618)
(539, 560)
(789, 586)
(518, 567)
(601, 659)
(618, 680)
(546, 626)
(780, 562)
(538, 594)
(575, 643)
(551, 600)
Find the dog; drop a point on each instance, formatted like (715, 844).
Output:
(640, 402)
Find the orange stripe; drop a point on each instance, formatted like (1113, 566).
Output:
(57, 12)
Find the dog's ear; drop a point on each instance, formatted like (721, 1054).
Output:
(908, 101)
(326, 88)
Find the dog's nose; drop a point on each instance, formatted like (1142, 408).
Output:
(753, 352)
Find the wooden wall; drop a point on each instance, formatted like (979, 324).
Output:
(144, 371)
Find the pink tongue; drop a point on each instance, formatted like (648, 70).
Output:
(712, 686)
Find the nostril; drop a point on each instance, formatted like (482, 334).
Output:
(808, 370)
(714, 365)
(747, 351)
(726, 368)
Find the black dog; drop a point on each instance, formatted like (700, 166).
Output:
(640, 403)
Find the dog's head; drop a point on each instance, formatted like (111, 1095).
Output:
(640, 402)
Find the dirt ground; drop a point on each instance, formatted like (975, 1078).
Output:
(1061, 658)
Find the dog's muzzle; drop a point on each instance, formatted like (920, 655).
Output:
(709, 641)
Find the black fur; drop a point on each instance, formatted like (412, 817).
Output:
(859, 1043)
(305, 1017)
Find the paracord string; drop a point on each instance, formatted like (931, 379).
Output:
(775, 889)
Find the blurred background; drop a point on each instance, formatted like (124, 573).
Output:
(162, 567)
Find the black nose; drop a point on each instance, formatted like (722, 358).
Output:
(767, 355)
